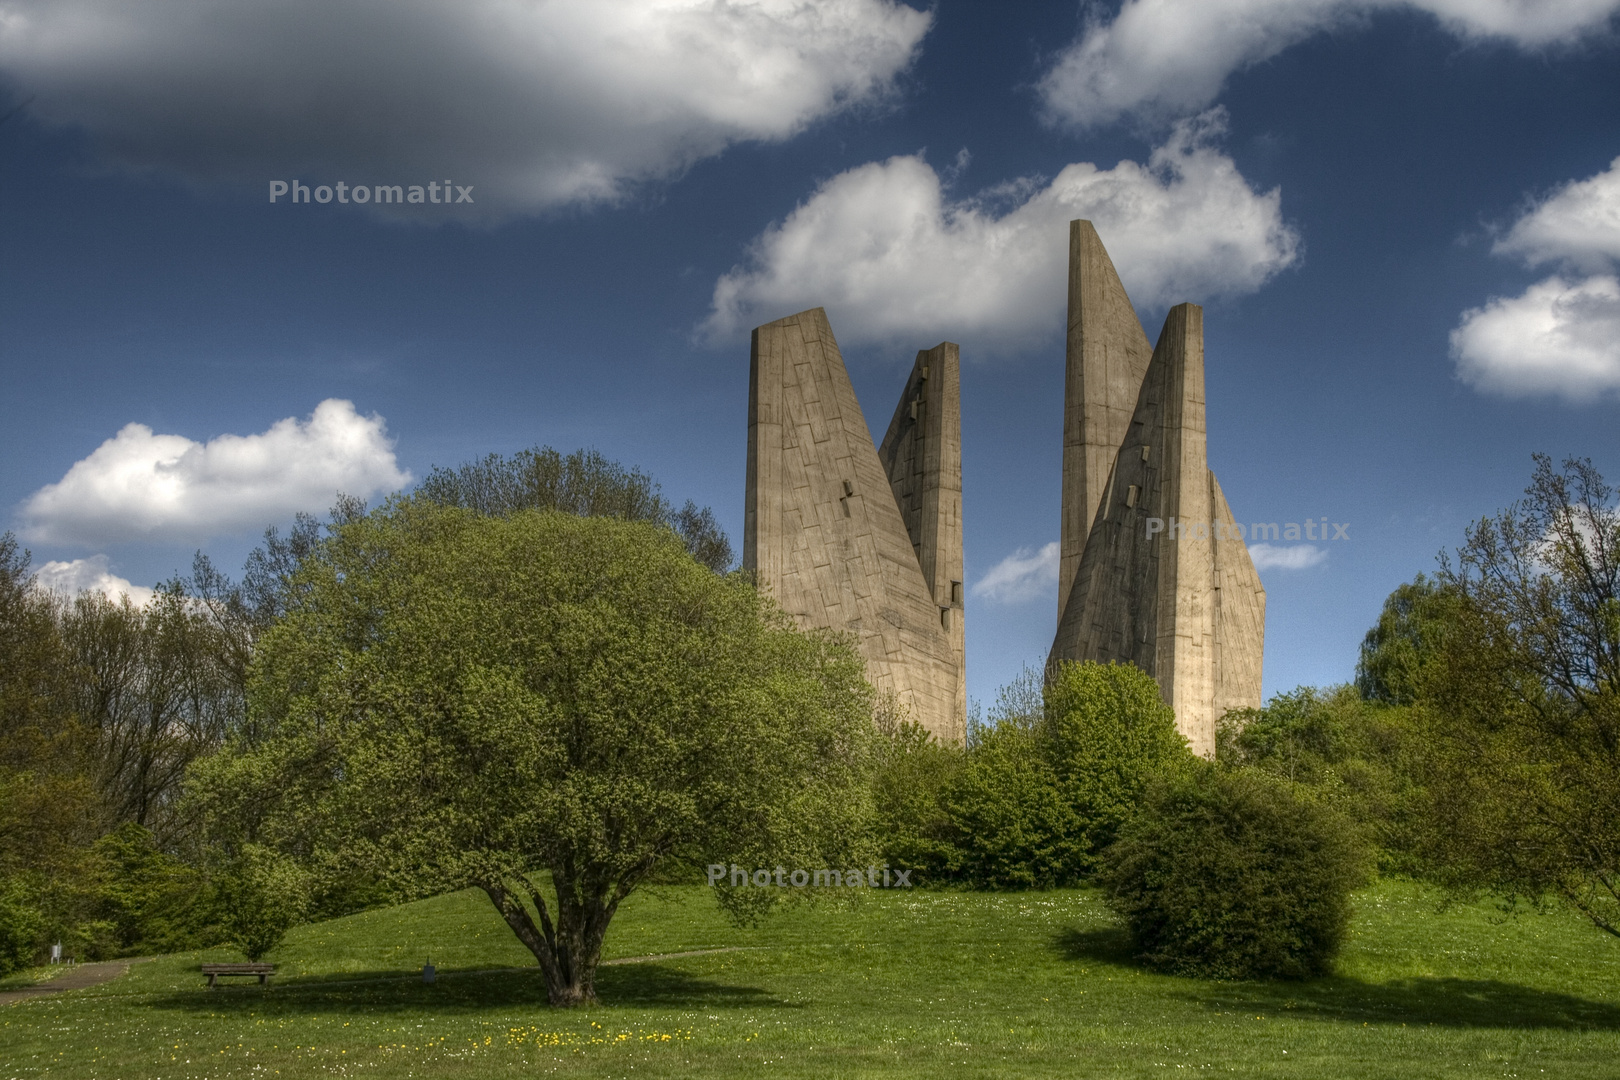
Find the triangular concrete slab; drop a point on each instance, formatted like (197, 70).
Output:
(823, 531)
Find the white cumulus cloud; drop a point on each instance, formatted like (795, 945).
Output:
(1026, 574)
(534, 104)
(142, 485)
(1561, 335)
(1286, 556)
(893, 259)
(1163, 58)
(1578, 224)
(69, 579)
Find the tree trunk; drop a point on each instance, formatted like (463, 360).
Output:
(569, 950)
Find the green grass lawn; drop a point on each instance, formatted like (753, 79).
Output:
(899, 984)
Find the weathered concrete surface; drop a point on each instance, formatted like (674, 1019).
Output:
(1240, 616)
(823, 527)
(1106, 359)
(922, 455)
(1182, 602)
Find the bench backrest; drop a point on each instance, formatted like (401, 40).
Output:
(238, 969)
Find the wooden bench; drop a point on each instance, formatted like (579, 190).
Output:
(214, 971)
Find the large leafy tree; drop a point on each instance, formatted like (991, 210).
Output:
(1525, 697)
(583, 483)
(453, 699)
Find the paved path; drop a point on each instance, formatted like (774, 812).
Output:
(75, 978)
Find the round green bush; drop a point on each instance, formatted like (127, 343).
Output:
(1230, 875)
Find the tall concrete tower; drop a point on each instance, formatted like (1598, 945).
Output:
(1154, 570)
(847, 536)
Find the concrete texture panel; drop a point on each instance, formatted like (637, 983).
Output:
(839, 539)
(922, 454)
(1106, 358)
(1163, 579)
(1240, 614)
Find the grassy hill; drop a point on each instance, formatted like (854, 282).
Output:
(898, 984)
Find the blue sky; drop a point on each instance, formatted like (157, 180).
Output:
(1403, 219)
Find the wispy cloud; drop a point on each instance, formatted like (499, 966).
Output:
(1026, 574)
(1158, 59)
(1286, 556)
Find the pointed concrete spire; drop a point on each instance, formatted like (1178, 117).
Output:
(1122, 605)
(823, 531)
(922, 454)
(1240, 614)
(1106, 357)
(1158, 563)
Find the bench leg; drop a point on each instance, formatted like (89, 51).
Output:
(211, 981)
(262, 978)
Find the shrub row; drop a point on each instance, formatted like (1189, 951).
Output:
(1227, 871)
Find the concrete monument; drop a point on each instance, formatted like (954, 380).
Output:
(855, 537)
(1153, 569)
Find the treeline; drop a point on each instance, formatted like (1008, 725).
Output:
(1478, 749)
(1049, 777)
(105, 706)
(450, 691)
(1236, 868)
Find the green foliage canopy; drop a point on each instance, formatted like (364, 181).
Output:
(1396, 652)
(1362, 757)
(1524, 698)
(459, 700)
(1010, 826)
(1110, 734)
(583, 483)
(1045, 787)
(1228, 875)
(912, 770)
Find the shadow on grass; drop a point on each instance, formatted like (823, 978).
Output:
(1445, 1002)
(1104, 945)
(640, 985)
(658, 985)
